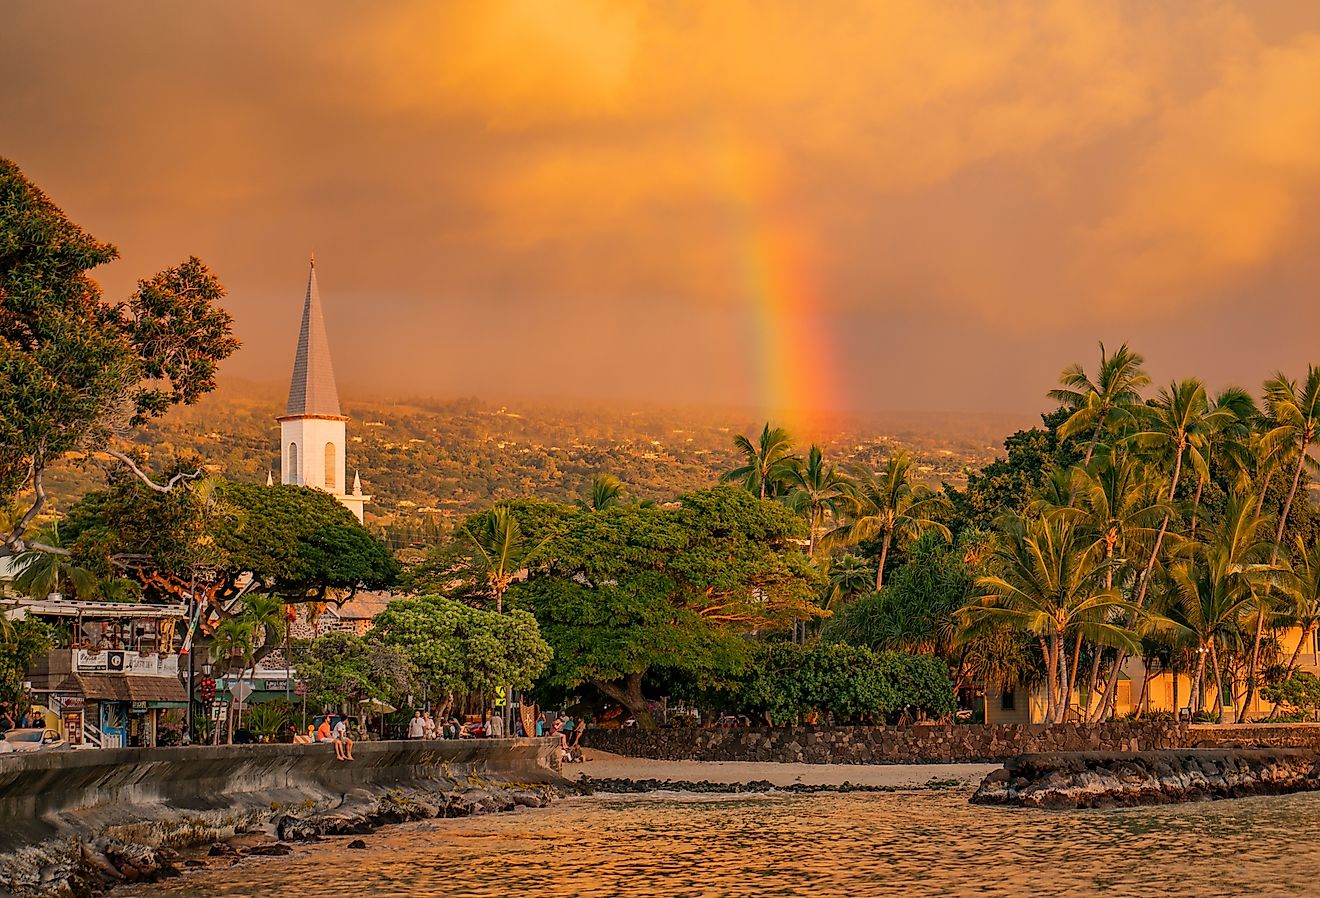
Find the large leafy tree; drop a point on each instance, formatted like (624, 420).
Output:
(227, 539)
(77, 371)
(459, 651)
(340, 669)
(629, 589)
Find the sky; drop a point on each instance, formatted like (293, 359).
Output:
(802, 207)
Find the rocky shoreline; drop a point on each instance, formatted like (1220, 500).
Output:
(150, 852)
(1064, 780)
(619, 786)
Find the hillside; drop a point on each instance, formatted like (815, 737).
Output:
(444, 457)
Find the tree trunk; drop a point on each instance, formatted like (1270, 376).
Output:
(1219, 682)
(1196, 504)
(1093, 682)
(1111, 687)
(1051, 681)
(884, 554)
(1274, 557)
(1072, 674)
(628, 692)
(1065, 699)
(1145, 688)
(1194, 702)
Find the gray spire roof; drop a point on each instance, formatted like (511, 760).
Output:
(312, 390)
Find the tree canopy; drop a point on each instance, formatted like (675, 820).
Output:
(76, 370)
(628, 588)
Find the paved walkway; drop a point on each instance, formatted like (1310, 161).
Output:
(604, 765)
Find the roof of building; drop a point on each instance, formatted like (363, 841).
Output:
(364, 605)
(125, 687)
(312, 390)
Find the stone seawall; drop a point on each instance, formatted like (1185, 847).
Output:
(937, 743)
(1122, 779)
(75, 820)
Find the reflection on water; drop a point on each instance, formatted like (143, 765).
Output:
(911, 844)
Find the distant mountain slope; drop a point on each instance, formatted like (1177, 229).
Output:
(443, 457)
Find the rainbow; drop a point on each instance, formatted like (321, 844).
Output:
(796, 375)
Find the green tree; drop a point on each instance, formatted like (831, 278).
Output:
(75, 371)
(459, 651)
(341, 669)
(1093, 405)
(21, 643)
(632, 588)
(814, 490)
(847, 576)
(606, 491)
(1050, 584)
(888, 506)
(296, 543)
(766, 462)
(1219, 585)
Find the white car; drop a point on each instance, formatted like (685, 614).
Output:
(32, 740)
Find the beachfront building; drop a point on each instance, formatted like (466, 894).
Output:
(313, 429)
(114, 675)
(1159, 691)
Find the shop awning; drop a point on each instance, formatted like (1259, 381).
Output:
(124, 688)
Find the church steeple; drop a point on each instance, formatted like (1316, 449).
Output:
(313, 439)
(312, 390)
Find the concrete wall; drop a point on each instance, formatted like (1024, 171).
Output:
(936, 743)
(52, 794)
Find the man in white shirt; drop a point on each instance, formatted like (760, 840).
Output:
(495, 726)
(416, 726)
(343, 744)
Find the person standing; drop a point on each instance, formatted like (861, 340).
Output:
(416, 726)
(428, 726)
(495, 725)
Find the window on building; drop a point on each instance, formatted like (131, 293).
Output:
(1008, 700)
(293, 463)
(330, 466)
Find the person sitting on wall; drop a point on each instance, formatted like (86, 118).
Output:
(343, 744)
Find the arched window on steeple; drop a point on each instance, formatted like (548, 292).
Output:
(330, 467)
(293, 463)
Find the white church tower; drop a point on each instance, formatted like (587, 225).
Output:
(312, 428)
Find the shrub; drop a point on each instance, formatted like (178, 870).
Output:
(852, 684)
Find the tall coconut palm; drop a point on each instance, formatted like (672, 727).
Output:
(1228, 442)
(765, 462)
(815, 490)
(1221, 582)
(889, 506)
(1050, 584)
(1303, 602)
(1096, 403)
(1121, 511)
(1296, 412)
(606, 492)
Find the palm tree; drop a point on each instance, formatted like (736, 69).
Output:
(1119, 507)
(765, 462)
(606, 492)
(40, 573)
(500, 551)
(1050, 584)
(1094, 404)
(1296, 412)
(815, 490)
(886, 505)
(849, 575)
(1303, 609)
(1221, 584)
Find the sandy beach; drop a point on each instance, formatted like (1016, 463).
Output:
(604, 765)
